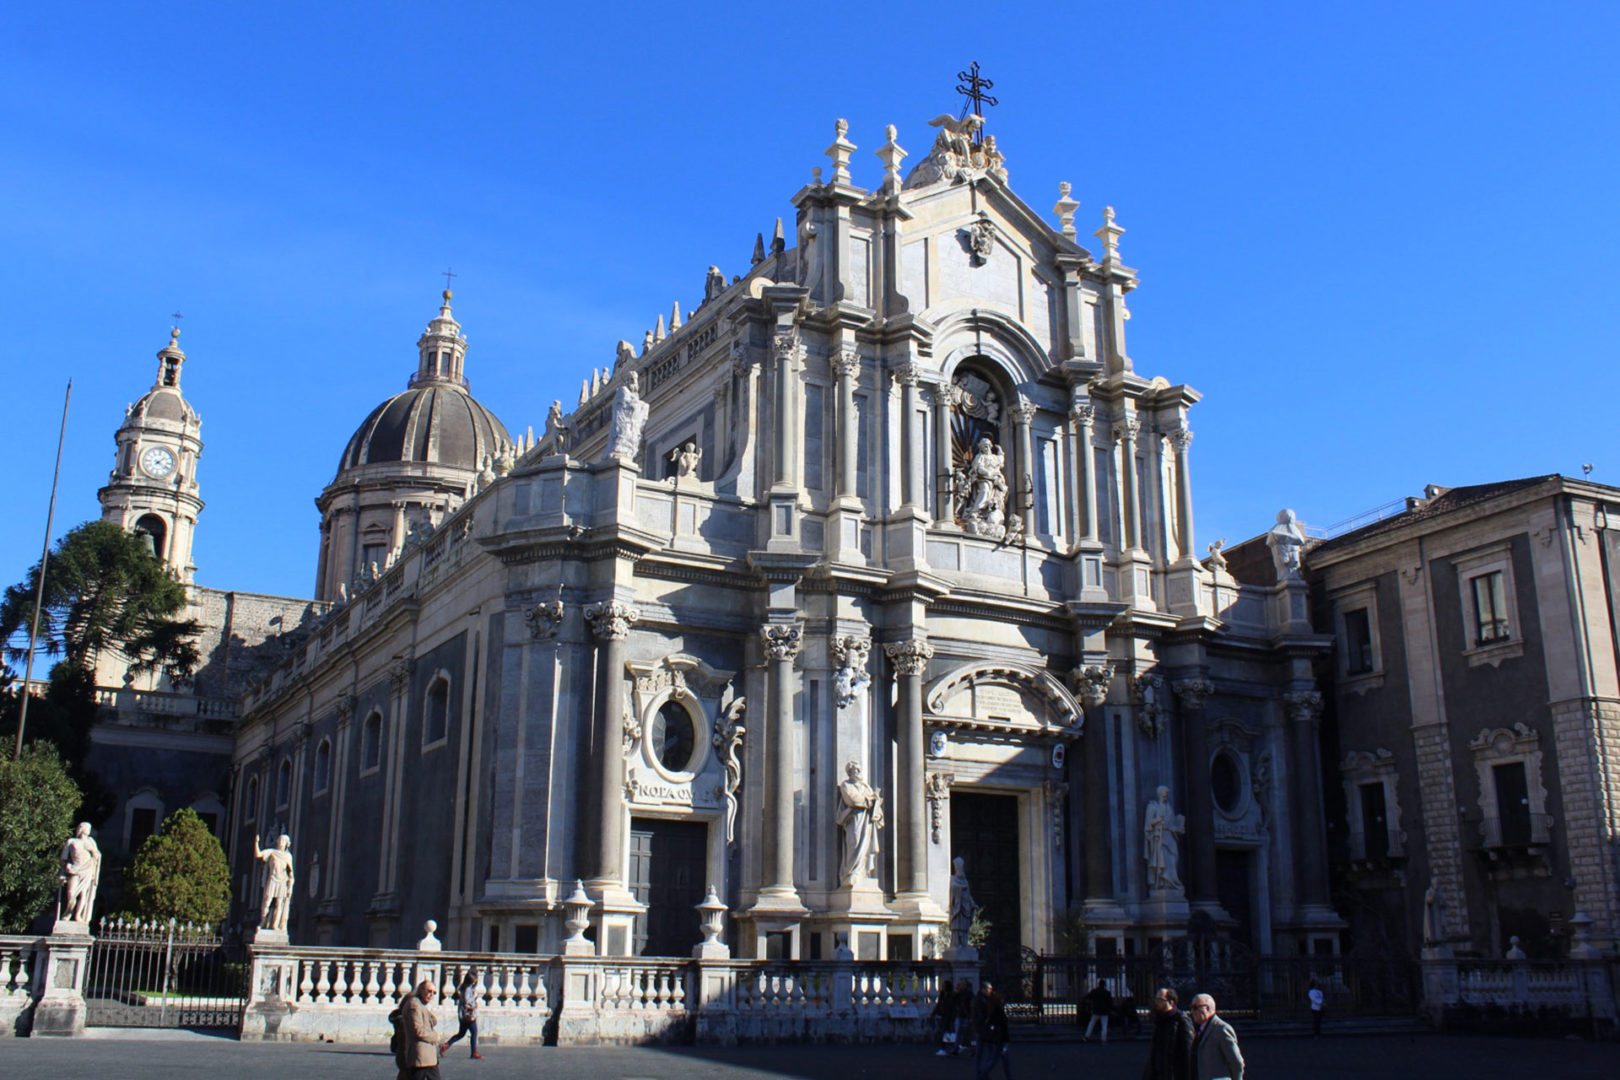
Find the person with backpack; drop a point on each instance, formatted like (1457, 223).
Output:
(467, 994)
(415, 1042)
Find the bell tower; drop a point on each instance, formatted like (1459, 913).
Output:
(152, 489)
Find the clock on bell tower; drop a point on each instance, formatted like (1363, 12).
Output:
(152, 489)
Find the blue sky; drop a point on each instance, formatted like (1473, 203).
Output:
(1378, 238)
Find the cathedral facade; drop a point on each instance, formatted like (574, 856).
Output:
(880, 559)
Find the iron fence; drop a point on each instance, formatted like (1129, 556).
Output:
(164, 974)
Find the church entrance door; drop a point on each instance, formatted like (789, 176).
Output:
(984, 832)
(666, 874)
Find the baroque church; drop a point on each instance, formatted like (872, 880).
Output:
(873, 571)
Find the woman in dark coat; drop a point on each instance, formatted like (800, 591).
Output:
(1171, 1056)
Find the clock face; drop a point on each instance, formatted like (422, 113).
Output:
(157, 462)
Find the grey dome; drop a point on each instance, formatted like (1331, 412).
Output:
(436, 422)
(163, 403)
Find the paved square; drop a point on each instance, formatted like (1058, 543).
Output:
(1422, 1057)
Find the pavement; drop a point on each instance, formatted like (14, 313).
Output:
(110, 1053)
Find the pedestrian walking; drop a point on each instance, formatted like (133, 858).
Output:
(944, 1017)
(1318, 1002)
(1215, 1047)
(1125, 1010)
(990, 1031)
(1102, 1007)
(1171, 1056)
(964, 1016)
(467, 994)
(416, 1040)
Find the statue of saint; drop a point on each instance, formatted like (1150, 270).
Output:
(278, 882)
(962, 905)
(629, 415)
(981, 487)
(860, 816)
(1431, 914)
(81, 875)
(1287, 542)
(1161, 826)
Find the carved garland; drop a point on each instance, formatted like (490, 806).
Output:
(729, 732)
(937, 788)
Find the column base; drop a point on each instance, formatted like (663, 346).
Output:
(778, 900)
(616, 921)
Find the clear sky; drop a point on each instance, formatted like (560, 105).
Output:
(1379, 238)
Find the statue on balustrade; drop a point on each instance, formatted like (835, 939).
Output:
(629, 416)
(278, 882)
(81, 875)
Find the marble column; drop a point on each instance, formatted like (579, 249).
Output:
(1093, 684)
(1023, 412)
(785, 350)
(944, 510)
(603, 859)
(1085, 498)
(782, 644)
(910, 660)
(1181, 440)
(1125, 432)
(1193, 694)
(1304, 714)
(847, 363)
(907, 376)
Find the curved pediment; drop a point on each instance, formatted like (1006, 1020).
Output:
(1000, 695)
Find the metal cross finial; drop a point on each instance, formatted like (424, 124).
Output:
(973, 87)
(448, 274)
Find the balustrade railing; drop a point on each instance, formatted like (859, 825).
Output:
(18, 956)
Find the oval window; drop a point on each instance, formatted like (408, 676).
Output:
(673, 737)
(1226, 782)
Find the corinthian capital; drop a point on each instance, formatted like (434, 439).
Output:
(1024, 409)
(1092, 684)
(785, 345)
(611, 620)
(1304, 706)
(909, 657)
(1083, 411)
(847, 363)
(1181, 439)
(1192, 693)
(544, 619)
(400, 674)
(908, 374)
(782, 640)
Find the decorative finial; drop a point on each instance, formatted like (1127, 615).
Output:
(891, 155)
(759, 249)
(675, 318)
(839, 152)
(1109, 234)
(1065, 208)
(778, 244)
(658, 329)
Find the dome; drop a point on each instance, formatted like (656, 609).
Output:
(164, 404)
(435, 422)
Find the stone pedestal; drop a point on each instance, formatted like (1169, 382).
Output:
(61, 1006)
(260, 935)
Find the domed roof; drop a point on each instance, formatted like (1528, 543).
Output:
(164, 404)
(435, 422)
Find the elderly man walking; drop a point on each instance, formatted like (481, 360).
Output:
(417, 1040)
(1215, 1047)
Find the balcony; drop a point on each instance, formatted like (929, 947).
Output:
(1524, 831)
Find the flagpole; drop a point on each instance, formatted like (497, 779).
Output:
(39, 592)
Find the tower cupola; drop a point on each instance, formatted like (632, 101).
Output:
(442, 349)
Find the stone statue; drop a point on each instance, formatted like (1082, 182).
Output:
(962, 906)
(714, 283)
(860, 816)
(952, 157)
(686, 457)
(981, 492)
(1216, 560)
(629, 415)
(622, 355)
(81, 875)
(278, 882)
(1161, 826)
(1431, 914)
(1287, 542)
(852, 677)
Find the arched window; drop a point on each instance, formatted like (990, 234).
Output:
(674, 736)
(371, 742)
(323, 766)
(143, 814)
(284, 784)
(250, 804)
(211, 810)
(436, 711)
(156, 530)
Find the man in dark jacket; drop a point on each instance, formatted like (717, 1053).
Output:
(1171, 1056)
(990, 1029)
(1102, 1007)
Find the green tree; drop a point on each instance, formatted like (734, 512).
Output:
(37, 800)
(181, 873)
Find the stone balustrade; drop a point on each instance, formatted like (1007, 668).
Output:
(299, 993)
(19, 966)
(1578, 988)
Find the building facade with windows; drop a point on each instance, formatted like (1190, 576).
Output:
(880, 556)
(1476, 711)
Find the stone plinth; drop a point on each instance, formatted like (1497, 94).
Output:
(60, 1009)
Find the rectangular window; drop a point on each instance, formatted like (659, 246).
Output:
(1490, 608)
(526, 938)
(1374, 820)
(1358, 650)
(1512, 803)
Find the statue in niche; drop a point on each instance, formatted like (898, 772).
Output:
(860, 816)
(962, 907)
(981, 491)
(685, 458)
(278, 882)
(1287, 543)
(81, 875)
(1161, 826)
(629, 416)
